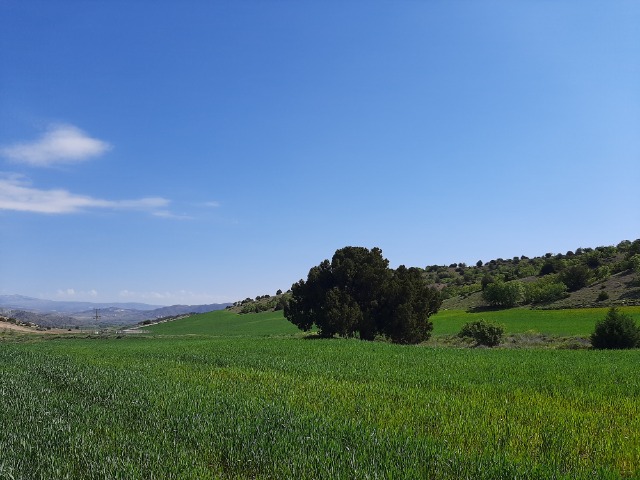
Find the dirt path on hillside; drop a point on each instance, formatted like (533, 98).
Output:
(20, 328)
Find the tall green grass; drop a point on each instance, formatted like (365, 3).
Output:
(241, 406)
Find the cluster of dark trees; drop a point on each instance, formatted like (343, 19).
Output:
(357, 294)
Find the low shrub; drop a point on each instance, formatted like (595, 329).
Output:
(483, 332)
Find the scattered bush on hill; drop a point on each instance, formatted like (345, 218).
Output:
(257, 307)
(486, 280)
(281, 304)
(576, 276)
(602, 273)
(503, 294)
(358, 294)
(634, 248)
(483, 332)
(548, 267)
(545, 290)
(261, 303)
(634, 264)
(617, 330)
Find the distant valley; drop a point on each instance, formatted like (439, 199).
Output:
(61, 314)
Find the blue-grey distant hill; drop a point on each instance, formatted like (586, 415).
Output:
(20, 302)
(50, 313)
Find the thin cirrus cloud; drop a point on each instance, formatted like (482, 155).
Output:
(181, 296)
(71, 292)
(64, 144)
(18, 195)
(61, 144)
(171, 215)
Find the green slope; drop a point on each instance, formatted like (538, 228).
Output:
(225, 323)
(569, 322)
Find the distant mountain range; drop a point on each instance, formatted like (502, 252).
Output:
(20, 302)
(50, 313)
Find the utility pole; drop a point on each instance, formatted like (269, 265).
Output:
(96, 317)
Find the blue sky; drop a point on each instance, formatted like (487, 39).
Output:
(198, 152)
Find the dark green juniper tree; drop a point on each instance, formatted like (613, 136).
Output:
(409, 302)
(615, 331)
(358, 294)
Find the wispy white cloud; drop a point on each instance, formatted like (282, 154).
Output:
(18, 195)
(73, 293)
(212, 204)
(171, 215)
(61, 144)
(175, 297)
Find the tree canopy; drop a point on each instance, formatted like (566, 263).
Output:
(503, 294)
(358, 294)
(616, 330)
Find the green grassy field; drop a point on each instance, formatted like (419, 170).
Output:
(228, 396)
(447, 322)
(223, 322)
(568, 322)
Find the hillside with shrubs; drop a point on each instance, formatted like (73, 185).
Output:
(585, 277)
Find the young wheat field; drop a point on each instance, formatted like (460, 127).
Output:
(226, 396)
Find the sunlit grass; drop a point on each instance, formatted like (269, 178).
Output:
(223, 322)
(519, 320)
(570, 322)
(233, 406)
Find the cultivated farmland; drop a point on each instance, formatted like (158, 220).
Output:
(227, 396)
